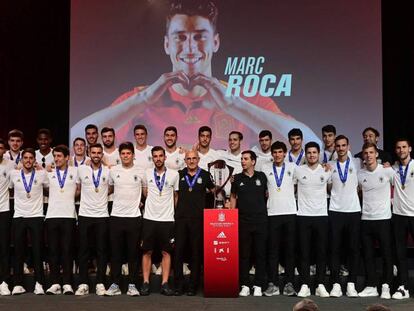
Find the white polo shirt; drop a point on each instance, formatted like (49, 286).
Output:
(93, 204)
(112, 158)
(404, 198)
(344, 196)
(290, 157)
(127, 184)
(262, 158)
(159, 206)
(211, 156)
(62, 200)
(48, 158)
(231, 160)
(143, 158)
(281, 202)
(6, 167)
(175, 160)
(312, 190)
(23, 206)
(376, 192)
(13, 158)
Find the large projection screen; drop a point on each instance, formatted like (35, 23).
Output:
(269, 64)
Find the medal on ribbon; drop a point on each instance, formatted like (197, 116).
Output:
(192, 183)
(28, 187)
(403, 174)
(158, 182)
(76, 162)
(277, 179)
(98, 179)
(298, 159)
(61, 180)
(343, 176)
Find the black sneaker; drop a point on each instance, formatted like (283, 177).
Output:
(166, 290)
(191, 292)
(178, 291)
(145, 289)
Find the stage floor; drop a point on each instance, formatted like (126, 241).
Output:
(158, 302)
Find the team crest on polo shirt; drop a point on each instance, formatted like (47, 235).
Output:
(258, 182)
(70, 177)
(199, 180)
(149, 158)
(411, 175)
(4, 174)
(117, 161)
(322, 179)
(289, 173)
(35, 181)
(350, 171)
(177, 161)
(381, 179)
(135, 178)
(103, 179)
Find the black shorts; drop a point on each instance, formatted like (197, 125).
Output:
(157, 235)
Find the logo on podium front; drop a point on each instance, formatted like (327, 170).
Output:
(221, 217)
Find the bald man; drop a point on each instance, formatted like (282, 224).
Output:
(193, 185)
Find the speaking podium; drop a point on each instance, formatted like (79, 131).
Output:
(221, 253)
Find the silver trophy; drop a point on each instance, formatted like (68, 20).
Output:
(221, 173)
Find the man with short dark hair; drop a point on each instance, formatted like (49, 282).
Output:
(111, 154)
(44, 155)
(61, 220)
(328, 138)
(161, 192)
(281, 210)
(79, 152)
(125, 221)
(232, 156)
(15, 141)
(175, 156)
(371, 135)
(206, 154)
(312, 218)
(403, 211)
(28, 184)
(142, 159)
(264, 154)
(248, 195)
(375, 182)
(93, 218)
(91, 135)
(296, 153)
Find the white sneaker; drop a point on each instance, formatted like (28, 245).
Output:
(336, 291)
(159, 271)
(350, 290)
(132, 290)
(304, 291)
(252, 271)
(321, 291)
(100, 289)
(18, 290)
(257, 291)
(83, 289)
(4, 289)
(67, 289)
(186, 270)
(385, 291)
(125, 269)
(401, 293)
(38, 289)
(245, 291)
(113, 290)
(55, 289)
(369, 291)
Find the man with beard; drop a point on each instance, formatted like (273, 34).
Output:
(371, 135)
(175, 156)
(93, 218)
(161, 192)
(91, 135)
(111, 154)
(264, 155)
(28, 184)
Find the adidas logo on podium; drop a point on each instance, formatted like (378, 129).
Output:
(221, 235)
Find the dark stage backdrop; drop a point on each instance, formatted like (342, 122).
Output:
(34, 68)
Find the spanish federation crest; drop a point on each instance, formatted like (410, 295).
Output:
(381, 179)
(221, 217)
(258, 183)
(322, 179)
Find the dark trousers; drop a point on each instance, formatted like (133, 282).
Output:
(60, 234)
(97, 228)
(282, 231)
(344, 227)
(5, 220)
(402, 226)
(33, 227)
(124, 234)
(313, 230)
(188, 235)
(252, 234)
(372, 231)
